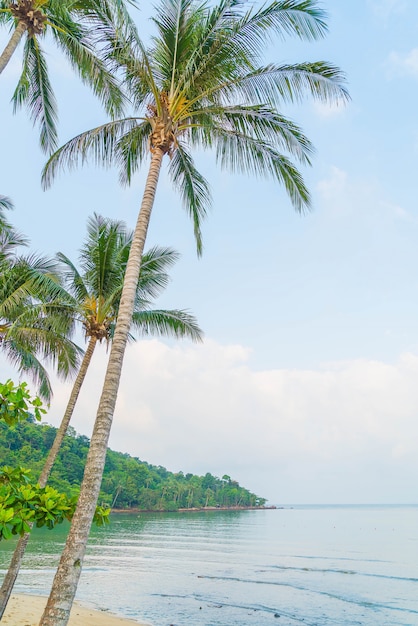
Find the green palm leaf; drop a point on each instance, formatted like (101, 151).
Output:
(35, 319)
(91, 33)
(193, 188)
(100, 144)
(176, 323)
(34, 90)
(97, 287)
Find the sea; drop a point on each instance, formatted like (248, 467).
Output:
(298, 565)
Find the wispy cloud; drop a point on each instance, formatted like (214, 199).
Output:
(329, 110)
(342, 195)
(403, 64)
(385, 8)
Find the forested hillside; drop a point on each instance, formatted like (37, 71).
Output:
(128, 482)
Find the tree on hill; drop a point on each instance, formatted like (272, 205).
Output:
(128, 482)
(201, 84)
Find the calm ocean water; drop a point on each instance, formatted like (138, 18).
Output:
(306, 565)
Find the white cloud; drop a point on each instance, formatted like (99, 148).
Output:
(203, 409)
(341, 195)
(403, 64)
(385, 8)
(327, 110)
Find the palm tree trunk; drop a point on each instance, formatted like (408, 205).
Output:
(12, 45)
(57, 610)
(15, 563)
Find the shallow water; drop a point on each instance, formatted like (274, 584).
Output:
(316, 566)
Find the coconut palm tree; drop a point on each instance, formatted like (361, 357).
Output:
(96, 292)
(33, 325)
(84, 30)
(34, 329)
(202, 84)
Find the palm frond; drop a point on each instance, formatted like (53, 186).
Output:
(51, 346)
(73, 278)
(99, 144)
(10, 238)
(35, 92)
(153, 276)
(132, 148)
(193, 188)
(176, 323)
(77, 44)
(243, 153)
(29, 366)
(259, 121)
(5, 203)
(208, 45)
(292, 83)
(177, 26)
(302, 18)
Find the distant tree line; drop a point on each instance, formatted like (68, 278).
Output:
(128, 482)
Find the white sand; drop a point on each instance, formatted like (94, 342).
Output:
(26, 610)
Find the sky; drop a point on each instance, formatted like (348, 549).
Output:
(305, 387)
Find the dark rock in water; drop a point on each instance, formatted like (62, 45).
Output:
(277, 615)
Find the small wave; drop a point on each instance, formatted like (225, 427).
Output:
(375, 606)
(255, 608)
(332, 558)
(342, 571)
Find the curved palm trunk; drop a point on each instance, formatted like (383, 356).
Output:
(12, 45)
(57, 610)
(15, 563)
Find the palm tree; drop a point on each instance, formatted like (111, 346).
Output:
(201, 84)
(96, 294)
(34, 328)
(84, 30)
(32, 323)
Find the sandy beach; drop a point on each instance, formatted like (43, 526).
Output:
(25, 610)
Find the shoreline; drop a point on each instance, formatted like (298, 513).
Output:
(26, 610)
(200, 509)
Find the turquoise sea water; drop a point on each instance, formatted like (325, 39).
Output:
(306, 565)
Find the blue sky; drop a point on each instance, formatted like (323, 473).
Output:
(305, 388)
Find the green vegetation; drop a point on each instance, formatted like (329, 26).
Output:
(128, 482)
(22, 501)
(35, 329)
(16, 404)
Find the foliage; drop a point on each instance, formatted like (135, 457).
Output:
(22, 503)
(203, 83)
(16, 403)
(96, 287)
(128, 482)
(84, 32)
(35, 325)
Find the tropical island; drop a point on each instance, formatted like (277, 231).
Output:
(129, 483)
